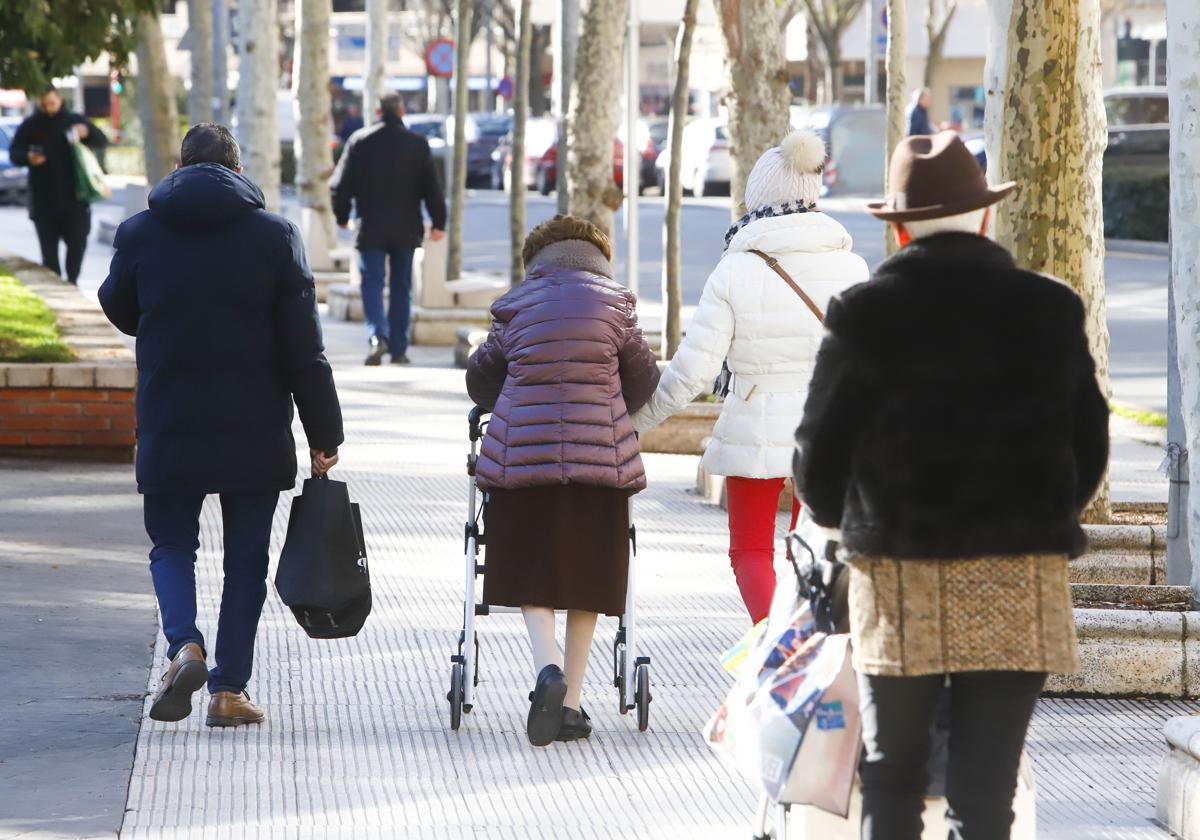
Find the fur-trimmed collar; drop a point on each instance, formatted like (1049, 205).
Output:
(570, 253)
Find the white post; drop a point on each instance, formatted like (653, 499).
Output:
(564, 76)
(871, 77)
(632, 158)
(377, 45)
(1183, 91)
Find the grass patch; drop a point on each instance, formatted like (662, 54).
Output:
(28, 332)
(1145, 418)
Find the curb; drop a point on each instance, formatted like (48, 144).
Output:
(1137, 246)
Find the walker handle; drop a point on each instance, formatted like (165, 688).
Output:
(476, 421)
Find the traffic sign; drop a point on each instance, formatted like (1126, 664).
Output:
(505, 87)
(439, 58)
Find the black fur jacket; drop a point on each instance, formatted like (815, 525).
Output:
(954, 410)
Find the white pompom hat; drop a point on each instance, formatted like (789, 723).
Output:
(788, 173)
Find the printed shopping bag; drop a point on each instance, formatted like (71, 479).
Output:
(796, 687)
(823, 769)
(323, 575)
(90, 185)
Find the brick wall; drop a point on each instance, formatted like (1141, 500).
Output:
(83, 408)
(91, 421)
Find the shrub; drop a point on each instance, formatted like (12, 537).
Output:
(1136, 202)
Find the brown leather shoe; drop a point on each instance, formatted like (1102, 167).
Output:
(186, 674)
(229, 709)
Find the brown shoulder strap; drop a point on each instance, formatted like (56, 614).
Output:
(778, 269)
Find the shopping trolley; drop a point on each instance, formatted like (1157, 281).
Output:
(631, 673)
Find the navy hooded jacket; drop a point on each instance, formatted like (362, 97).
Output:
(219, 294)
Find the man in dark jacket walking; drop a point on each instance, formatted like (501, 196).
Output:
(219, 294)
(918, 113)
(954, 432)
(386, 172)
(43, 143)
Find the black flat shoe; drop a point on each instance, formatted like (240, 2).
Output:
(576, 725)
(546, 706)
(402, 359)
(379, 349)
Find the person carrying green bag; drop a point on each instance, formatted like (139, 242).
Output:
(46, 142)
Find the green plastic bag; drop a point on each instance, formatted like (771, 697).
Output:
(89, 177)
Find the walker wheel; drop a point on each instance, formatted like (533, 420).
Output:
(456, 695)
(642, 697)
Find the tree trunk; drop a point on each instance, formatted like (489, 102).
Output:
(833, 69)
(200, 97)
(565, 56)
(516, 193)
(759, 115)
(220, 29)
(1183, 91)
(672, 271)
(314, 122)
(935, 30)
(814, 68)
(373, 77)
(897, 93)
(593, 119)
(258, 122)
(458, 177)
(539, 45)
(1047, 130)
(156, 101)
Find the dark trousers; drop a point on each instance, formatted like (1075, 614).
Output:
(989, 713)
(173, 523)
(373, 266)
(71, 226)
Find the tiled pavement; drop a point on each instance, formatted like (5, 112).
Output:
(357, 744)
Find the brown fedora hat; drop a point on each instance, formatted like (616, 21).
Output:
(932, 177)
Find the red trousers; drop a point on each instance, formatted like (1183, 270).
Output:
(753, 504)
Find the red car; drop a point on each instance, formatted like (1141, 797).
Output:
(541, 158)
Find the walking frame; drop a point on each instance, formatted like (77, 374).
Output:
(631, 673)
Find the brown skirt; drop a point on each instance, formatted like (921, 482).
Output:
(562, 546)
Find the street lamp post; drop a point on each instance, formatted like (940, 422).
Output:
(632, 172)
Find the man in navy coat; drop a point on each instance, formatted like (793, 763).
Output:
(221, 299)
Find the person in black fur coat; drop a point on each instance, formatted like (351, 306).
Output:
(954, 432)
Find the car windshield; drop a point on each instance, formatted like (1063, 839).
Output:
(856, 145)
(493, 126)
(1136, 110)
(721, 133)
(658, 132)
(426, 128)
(4, 138)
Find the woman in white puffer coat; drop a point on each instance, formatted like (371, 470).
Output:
(751, 316)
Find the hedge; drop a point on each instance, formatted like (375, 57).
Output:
(1136, 202)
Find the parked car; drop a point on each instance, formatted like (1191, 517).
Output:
(855, 139)
(14, 180)
(1138, 132)
(704, 168)
(489, 132)
(541, 157)
(433, 128)
(651, 140)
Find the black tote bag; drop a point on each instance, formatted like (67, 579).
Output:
(323, 575)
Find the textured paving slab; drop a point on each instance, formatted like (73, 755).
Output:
(77, 626)
(357, 744)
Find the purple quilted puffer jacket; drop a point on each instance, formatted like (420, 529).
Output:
(563, 368)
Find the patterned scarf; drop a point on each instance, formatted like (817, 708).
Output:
(787, 208)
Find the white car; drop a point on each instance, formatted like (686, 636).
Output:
(705, 166)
